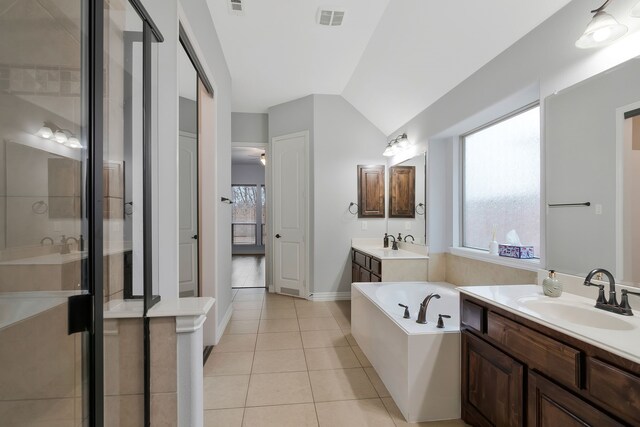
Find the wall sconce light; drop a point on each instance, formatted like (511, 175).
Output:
(61, 136)
(263, 159)
(394, 146)
(602, 30)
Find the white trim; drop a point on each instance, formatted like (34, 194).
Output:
(330, 296)
(223, 325)
(522, 264)
(307, 229)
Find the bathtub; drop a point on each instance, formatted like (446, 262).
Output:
(419, 364)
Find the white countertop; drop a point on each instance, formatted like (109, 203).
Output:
(166, 307)
(582, 320)
(387, 253)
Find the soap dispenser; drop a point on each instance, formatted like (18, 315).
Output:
(385, 241)
(551, 286)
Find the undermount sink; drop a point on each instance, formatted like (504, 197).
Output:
(580, 315)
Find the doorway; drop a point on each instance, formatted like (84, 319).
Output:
(249, 213)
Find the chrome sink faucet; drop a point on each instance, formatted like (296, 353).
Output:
(610, 304)
(422, 314)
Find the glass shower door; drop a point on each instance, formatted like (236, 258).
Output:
(44, 226)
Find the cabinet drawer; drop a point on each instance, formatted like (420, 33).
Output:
(472, 316)
(375, 278)
(376, 266)
(360, 258)
(540, 352)
(614, 388)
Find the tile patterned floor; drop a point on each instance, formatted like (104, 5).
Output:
(247, 271)
(290, 362)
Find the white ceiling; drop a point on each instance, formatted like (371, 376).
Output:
(391, 58)
(246, 155)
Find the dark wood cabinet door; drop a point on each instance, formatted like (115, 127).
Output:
(402, 189)
(552, 406)
(365, 275)
(355, 272)
(371, 191)
(492, 385)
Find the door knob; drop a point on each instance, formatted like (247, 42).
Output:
(194, 237)
(278, 236)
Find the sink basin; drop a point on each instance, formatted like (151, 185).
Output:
(577, 314)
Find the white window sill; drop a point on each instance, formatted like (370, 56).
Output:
(523, 264)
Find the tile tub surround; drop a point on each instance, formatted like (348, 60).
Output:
(418, 363)
(463, 271)
(249, 378)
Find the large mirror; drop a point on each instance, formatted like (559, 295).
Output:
(416, 225)
(593, 175)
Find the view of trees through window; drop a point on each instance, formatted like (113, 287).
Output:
(501, 182)
(243, 227)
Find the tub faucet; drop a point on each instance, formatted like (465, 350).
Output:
(394, 246)
(64, 249)
(409, 235)
(422, 314)
(602, 303)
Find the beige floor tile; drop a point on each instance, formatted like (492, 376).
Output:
(278, 325)
(279, 341)
(340, 307)
(341, 384)
(235, 363)
(278, 313)
(278, 303)
(330, 338)
(343, 320)
(400, 421)
(235, 343)
(305, 311)
(302, 415)
(318, 324)
(361, 357)
(331, 358)
(245, 314)
(223, 417)
(279, 389)
(247, 305)
(262, 291)
(349, 337)
(242, 327)
(377, 382)
(224, 392)
(249, 297)
(369, 413)
(279, 361)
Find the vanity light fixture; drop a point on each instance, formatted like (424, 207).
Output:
(263, 159)
(602, 30)
(60, 137)
(73, 142)
(395, 145)
(45, 132)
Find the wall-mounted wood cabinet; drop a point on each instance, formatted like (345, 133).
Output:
(402, 190)
(371, 191)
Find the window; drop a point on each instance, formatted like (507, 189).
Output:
(501, 181)
(243, 227)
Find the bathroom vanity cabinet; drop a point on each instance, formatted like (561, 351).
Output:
(517, 372)
(388, 266)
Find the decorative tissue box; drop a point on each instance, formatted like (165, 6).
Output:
(521, 252)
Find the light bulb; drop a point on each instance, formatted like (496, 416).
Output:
(603, 29)
(60, 137)
(45, 132)
(73, 143)
(602, 34)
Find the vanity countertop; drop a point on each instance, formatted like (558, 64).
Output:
(570, 314)
(387, 253)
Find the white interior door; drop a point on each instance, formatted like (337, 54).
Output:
(290, 188)
(188, 212)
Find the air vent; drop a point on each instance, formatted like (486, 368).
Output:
(331, 18)
(235, 7)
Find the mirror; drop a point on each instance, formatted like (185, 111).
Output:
(592, 174)
(416, 224)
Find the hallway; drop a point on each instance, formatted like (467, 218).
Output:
(247, 271)
(291, 362)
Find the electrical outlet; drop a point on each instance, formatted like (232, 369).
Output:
(598, 209)
(364, 225)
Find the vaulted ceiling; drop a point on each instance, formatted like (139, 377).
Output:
(390, 59)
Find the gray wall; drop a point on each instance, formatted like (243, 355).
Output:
(188, 112)
(249, 127)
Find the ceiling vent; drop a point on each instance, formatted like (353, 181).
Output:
(235, 7)
(330, 17)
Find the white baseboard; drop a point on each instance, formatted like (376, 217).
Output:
(223, 325)
(330, 296)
